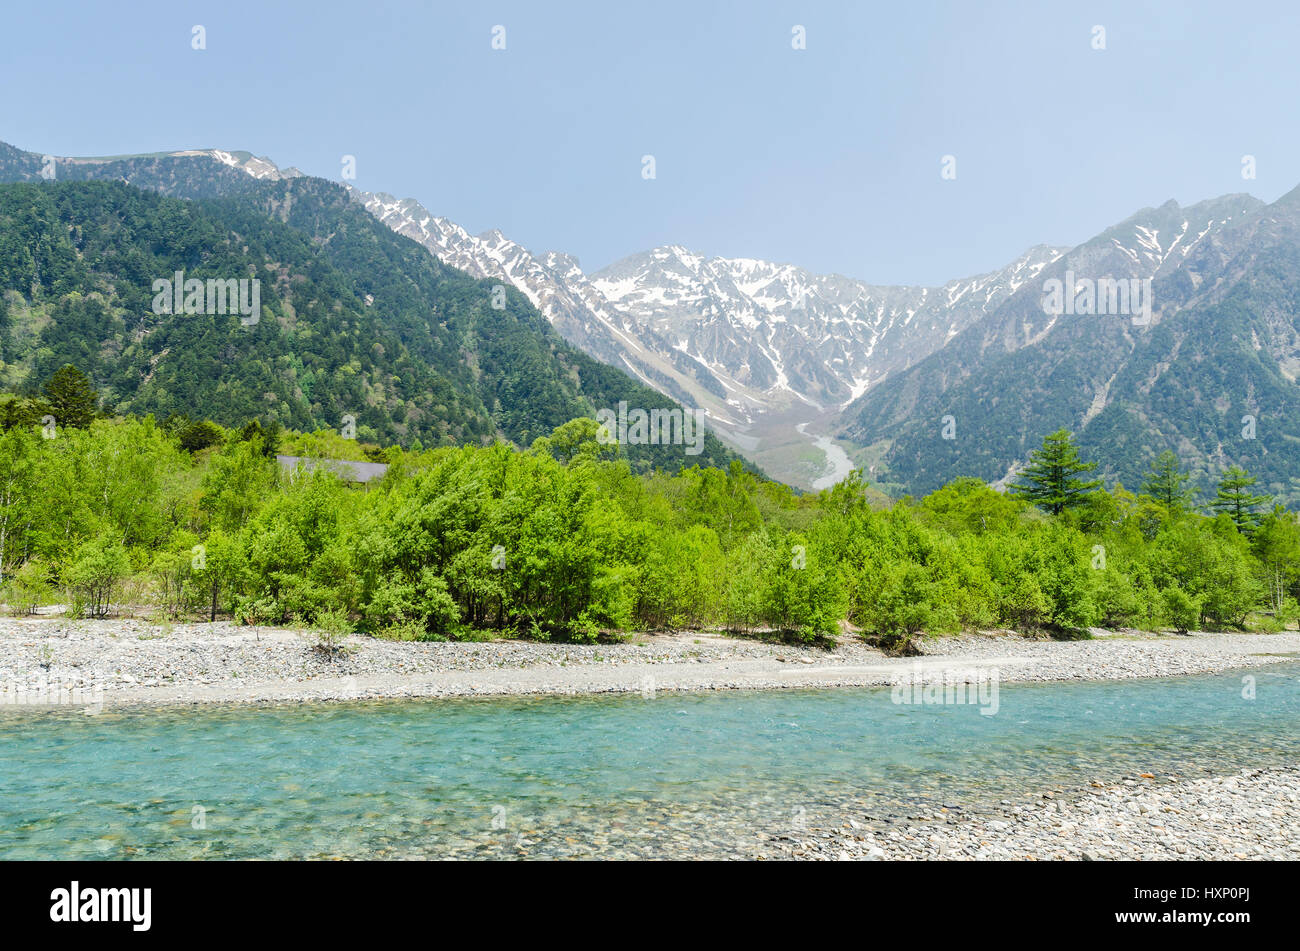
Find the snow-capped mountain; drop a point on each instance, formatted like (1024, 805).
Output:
(780, 357)
(1211, 344)
(553, 282)
(784, 335)
(256, 166)
(750, 341)
(775, 354)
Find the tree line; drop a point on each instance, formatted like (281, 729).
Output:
(565, 540)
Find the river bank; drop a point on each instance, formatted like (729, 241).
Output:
(1249, 815)
(133, 662)
(1111, 755)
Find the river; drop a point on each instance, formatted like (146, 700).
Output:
(838, 464)
(687, 775)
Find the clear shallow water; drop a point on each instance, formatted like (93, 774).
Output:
(677, 775)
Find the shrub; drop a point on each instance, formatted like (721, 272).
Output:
(96, 569)
(425, 600)
(405, 629)
(331, 629)
(801, 596)
(28, 588)
(905, 607)
(201, 435)
(1181, 610)
(254, 612)
(743, 600)
(176, 588)
(583, 629)
(681, 582)
(1024, 606)
(1116, 599)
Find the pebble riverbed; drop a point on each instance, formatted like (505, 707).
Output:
(1254, 814)
(131, 662)
(1250, 815)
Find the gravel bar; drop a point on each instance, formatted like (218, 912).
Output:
(134, 662)
(1250, 815)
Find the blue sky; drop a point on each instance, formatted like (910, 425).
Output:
(827, 157)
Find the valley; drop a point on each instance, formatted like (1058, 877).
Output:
(799, 372)
(754, 432)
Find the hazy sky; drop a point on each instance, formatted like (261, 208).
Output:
(827, 157)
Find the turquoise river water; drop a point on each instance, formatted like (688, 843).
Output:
(678, 775)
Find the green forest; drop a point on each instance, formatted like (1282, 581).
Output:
(564, 540)
(138, 469)
(355, 320)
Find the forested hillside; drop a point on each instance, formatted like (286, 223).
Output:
(357, 321)
(77, 263)
(1211, 376)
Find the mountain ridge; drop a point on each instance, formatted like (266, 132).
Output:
(1128, 391)
(518, 377)
(780, 357)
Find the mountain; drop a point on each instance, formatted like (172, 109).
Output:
(77, 265)
(776, 335)
(1212, 376)
(355, 318)
(770, 352)
(767, 350)
(782, 359)
(553, 283)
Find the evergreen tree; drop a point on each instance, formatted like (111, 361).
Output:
(1165, 481)
(1234, 498)
(268, 439)
(72, 397)
(198, 436)
(1051, 478)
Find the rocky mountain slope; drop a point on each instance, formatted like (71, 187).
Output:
(922, 385)
(1211, 375)
(355, 318)
(766, 349)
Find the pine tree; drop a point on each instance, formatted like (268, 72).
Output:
(268, 438)
(1165, 481)
(1234, 498)
(72, 397)
(1051, 480)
